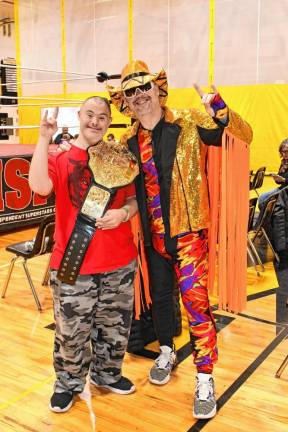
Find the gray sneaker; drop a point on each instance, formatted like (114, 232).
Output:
(204, 401)
(165, 362)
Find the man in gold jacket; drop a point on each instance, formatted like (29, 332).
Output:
(172, 193)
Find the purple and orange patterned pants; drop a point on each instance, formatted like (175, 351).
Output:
(191, 269)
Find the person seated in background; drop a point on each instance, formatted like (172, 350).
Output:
(281, 178)
(65, 136)
(110, 137)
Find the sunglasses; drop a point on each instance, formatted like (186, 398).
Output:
(129, 93)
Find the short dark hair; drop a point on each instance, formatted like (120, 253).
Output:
(99, 98)
(283, 144)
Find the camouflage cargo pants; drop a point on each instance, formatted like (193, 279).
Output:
(93, 319)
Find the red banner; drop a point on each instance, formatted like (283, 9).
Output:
(19, 206)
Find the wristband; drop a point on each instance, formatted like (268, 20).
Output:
(219, 107)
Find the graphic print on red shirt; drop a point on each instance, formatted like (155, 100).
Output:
(79, 178)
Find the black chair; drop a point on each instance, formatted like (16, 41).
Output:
(263, 222)
(258, 179)
(251, 250)
(42, 244)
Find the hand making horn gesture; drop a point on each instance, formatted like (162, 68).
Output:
(213, 103)
(48, 126)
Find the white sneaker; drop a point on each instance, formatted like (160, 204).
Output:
(165, 362)
(204, 401)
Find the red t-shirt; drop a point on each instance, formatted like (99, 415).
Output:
(109, 249)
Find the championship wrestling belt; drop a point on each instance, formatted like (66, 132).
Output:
(111, 167)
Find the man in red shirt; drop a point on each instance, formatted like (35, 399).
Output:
(96, 311)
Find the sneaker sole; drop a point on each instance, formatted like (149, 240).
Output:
(207, 416)
(163, 382)
(113, 390)
(61, 410)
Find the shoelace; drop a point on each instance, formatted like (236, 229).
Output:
(164, 359)
(204, 390)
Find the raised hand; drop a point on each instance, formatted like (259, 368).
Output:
(213, 103)
(48, 126)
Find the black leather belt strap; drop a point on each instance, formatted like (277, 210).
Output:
(82, 234)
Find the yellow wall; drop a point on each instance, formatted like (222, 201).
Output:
(265, 107)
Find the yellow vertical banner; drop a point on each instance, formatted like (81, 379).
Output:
(211, 41)
(63, 47)
(130, 30)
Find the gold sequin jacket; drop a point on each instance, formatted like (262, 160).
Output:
(189, 202)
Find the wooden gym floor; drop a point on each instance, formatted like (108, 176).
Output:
(251, 345)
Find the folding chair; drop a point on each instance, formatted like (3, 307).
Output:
(42, 244)
(264, 221)
(258, 179)
(251, 250)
